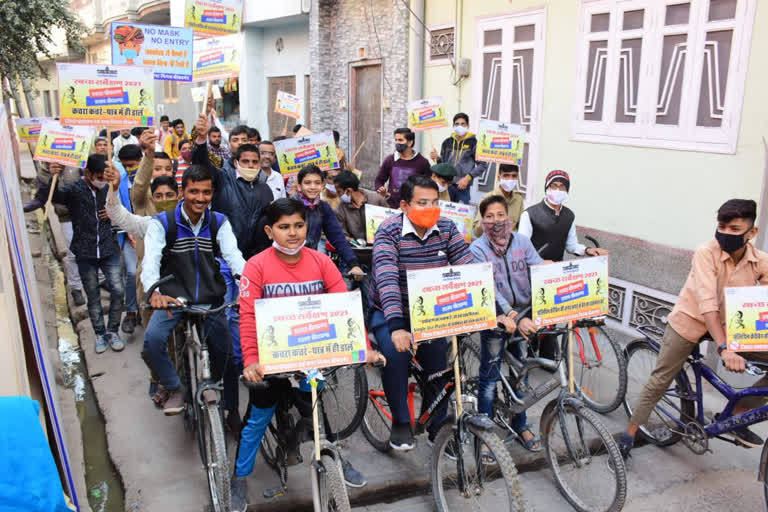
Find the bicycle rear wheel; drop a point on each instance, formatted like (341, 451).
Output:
(601, 373)
(377, 418)
(584, 458)
(661, 428)
(489, 485)
(330, 483)
(344, 401)
(216, 462)
(270, 445)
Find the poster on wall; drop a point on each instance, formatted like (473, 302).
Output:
(216, 58)
(214, 17)
(167, 50)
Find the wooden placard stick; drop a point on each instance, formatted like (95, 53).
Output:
(47, 209)
(354, 157)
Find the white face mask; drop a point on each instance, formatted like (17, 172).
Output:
(99, 184)
(557, 196)
(330, 187)
(286, 250)
(345, 198)
(508, 185)
(460, 130)
(440, 187)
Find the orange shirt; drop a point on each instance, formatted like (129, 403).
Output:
(712, 270)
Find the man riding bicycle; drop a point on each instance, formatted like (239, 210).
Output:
(728, 260)
(185, 242)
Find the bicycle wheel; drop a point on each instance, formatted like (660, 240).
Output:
(330, 483)
(584, 458)
(344, 401)
(763, 472)
(469, 352)
(600, 369)
(377, 419)
(491, 485)
(216, 462)
(270, 445)
(661, 428)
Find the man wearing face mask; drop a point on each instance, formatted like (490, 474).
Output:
(506, 187)
(95, 248)
(400, 166)
(459, 151)
(443, 175)
(124, 139)
(728, 260)
(330, 194)
(551, 223)
(417, 239)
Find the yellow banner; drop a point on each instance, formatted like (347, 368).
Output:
(28, 128)
(447, 301)
(461, 214)
(746, 318)
(426, 114)
(295, 153)
(214, 17)
(499, 142)
(216, 58)
(113, 96)
(374, 216)
(310, 332)
(569, 290)
(66, 145)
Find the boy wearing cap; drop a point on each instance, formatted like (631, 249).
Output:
(443, 175)
(551, 223)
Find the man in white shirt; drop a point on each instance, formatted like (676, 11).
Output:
(123, 139)
(272, 178)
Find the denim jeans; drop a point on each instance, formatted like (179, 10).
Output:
(233, 316)
(460, 196)
(130, 259)
(89, 274)
(69, 260)
(394, 376)
(215, 332)
(491, 354)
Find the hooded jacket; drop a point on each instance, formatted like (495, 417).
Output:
(461, 155)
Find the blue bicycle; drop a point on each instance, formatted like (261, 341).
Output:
(680, 414)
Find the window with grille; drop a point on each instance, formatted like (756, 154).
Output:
(440, 48)
(666, 74)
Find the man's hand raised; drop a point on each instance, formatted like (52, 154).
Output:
(201, 129)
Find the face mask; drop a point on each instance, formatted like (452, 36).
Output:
(440, 187)
(99, 184)
(186, 155)
(286, 250)
(166, 205)
(130, 53)
(248, 174)
(508, 185)
(126, 136)
(425, 217)
(330, 187)
(730, 243)
(460, 130)
(400, 148)
(345, 198)
(557, 196)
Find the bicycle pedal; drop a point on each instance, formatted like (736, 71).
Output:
(275, 492)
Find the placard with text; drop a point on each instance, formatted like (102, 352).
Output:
(461, 214)
(28, 128)
(65, 145)
(216, 58)
(295, 153)
(167, 50)
(499, 142)
(746, 318)
(426, 114)
(288, 104)
(374, 216)
(214, 17)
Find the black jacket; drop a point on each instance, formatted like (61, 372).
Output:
(84, 204)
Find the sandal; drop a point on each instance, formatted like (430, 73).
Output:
(160, 396)
(533, 444)
(486, 457)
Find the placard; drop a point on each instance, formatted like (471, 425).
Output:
(499, 142)
(66, 145)
(198, 93)
(461, 214)
(374, 216)
(447, 301)
(214, 17)
(318, 149)
(28, 128)
(310, 331)
(426, 114)
(569, 290)
(288, 105)
(216, 58)
(113, 96)
(167, 50)
(746, 318)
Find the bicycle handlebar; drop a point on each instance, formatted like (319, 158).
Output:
(184, 305)
(264, 384)
(593, 240)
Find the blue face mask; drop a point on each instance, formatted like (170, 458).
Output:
(130, 53)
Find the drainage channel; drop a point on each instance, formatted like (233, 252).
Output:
(105, 489)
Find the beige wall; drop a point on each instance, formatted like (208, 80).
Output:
(663, 196)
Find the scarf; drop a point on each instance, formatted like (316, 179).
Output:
(499, 235)
(309, 203)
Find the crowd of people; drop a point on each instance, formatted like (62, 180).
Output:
(212, 208)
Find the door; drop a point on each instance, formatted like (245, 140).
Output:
(278, 121)
(509, 59)
(365, 117)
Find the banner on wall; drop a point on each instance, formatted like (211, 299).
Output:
(167, 50)
(214, 17)
(426, 114)
(288, 104)
(499, 142)
(28, 128)
(65, 145)
(216, 58)
(295, 153)
(746, 318)
(113, 96)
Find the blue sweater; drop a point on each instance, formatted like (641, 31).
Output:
(322, 219)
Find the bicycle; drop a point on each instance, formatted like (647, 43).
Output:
(329, 492)
(680, 415)
(203, 412)
(461, 478)
(573, 437)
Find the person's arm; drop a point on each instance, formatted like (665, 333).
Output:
(217, 124)
(572, 244)
(229, 251)
(144, 174)
(341, 216)
(384, 174)
(458, 250)
(61, 194)
(134, 225)
(525, 227)
(479, 168)
(386, 268)
(154, 243)
(477, 224)
(200, 150)
(335, 235)
(334, 282)
(251, 284)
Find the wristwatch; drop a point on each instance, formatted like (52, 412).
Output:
(722, 347)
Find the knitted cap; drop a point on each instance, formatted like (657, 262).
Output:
(558, 176)
(444, 170)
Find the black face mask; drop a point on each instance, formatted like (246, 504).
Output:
(401, 148)
(730, 243)
(127, 136)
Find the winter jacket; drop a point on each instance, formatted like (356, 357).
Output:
(322, 220)
(92, 237)
(461, 155)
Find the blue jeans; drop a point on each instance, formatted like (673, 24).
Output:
(233, 316)
(460, 196)
(130, 259)
(394, 376)
(491, 354)
(216, 334)
(89, 274)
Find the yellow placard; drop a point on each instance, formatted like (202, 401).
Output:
(216, 58)
(374, 216)
(28, 128)
(114, 96)
(499, 142)
(310, 331)
(288, 105)
(461, 214)
(66, 145)
(426, 114)
(569, 290)
(746, 318)
(214, 17)
(447, 301)
(318, 149)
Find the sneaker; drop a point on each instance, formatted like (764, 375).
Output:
(77, 298)
(401, 438)
(115, 342)
(101, 344)
(626, 442)
(239, 494)
(746, 437)
(352, 477)
(129, 323)
(175, 403)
